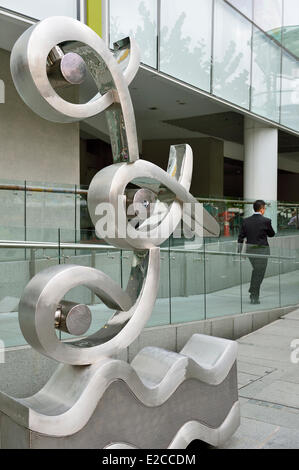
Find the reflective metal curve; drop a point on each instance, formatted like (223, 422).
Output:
(62, 50)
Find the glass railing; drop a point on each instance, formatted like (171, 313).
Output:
(230, 213)
(200, 279)
(25, 205)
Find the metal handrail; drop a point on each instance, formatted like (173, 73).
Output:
(230, 253)
(81, 191)
(41, 189)
(96, 247)
(51, 245)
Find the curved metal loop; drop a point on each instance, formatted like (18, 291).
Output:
(112, 73)
(109, 185)
(43, 293)
(127, 55)
(29, 72)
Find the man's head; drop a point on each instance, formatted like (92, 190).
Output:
(259, 206)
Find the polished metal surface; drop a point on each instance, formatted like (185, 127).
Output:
(70, 69)
(45, 291)
(72, 47)
(108, 188)
(188, 395)
(148, 403)
(73, 318)
(143, 202)
(73, 68)
(29, 73)
(103, 248)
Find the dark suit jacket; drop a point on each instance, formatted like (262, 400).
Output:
(256, 229)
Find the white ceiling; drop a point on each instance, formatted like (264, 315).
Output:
(149, 90)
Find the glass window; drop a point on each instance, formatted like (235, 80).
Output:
(291, 12)
(290, 92)
(232, 52)
(138, 20)
(268, 16)
(290, 38)
(245, 6)
(40, 10)
(266, 77)
(185, 51)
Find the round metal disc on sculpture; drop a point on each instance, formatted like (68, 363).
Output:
(72, 318)
(30, 55)
(42, 295)
(73, 68)
(78, 320)
(143, 202)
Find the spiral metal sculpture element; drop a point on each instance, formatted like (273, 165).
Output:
(68, 42)
(197, 387)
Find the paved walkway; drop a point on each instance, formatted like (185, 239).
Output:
(268, 388)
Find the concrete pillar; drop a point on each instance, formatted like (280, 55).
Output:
(33, 148)
(260, 166)
(211, 152)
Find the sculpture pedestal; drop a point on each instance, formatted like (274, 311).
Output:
(161, 400)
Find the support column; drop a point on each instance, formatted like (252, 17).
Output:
(260, 166)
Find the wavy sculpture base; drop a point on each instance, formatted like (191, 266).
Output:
(161, 400)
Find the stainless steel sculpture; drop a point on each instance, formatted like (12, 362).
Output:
(106, 402)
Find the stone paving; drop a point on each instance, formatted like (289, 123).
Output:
(268, 387)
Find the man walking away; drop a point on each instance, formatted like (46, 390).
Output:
(256, 229)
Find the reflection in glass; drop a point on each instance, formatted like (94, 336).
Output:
(290, 92)
(49, 206)
(289, 278)
(268, 16)
(222, 280)
(266, 78)
(41, 10)
(245, 6)
(291, 12)
(138, 20)
(187, 278)
(186, 41)
(266, 267)
(290, 38)
(161, 314)
(232, 52)
(12, 209)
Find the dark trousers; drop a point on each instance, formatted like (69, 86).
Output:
(259, 266)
